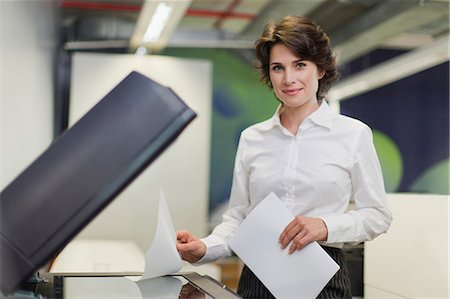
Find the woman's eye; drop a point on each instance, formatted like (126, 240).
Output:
(276, 68)
(301, 65)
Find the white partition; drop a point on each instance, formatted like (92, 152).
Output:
(411, 260)
(28, 40)
(182, 170)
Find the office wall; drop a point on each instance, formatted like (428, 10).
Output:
(28, 39)
(239, 100)
(411, 260)
(411, 121)
(182, 170)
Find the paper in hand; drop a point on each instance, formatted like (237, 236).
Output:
(302, 274)
(162, 257)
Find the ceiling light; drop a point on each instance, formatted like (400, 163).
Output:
(141, 51)
(158, 22)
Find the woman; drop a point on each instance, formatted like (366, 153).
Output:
(315, 161)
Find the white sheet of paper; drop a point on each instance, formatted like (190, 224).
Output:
(302, 274)
(162, 257)
(160, 287)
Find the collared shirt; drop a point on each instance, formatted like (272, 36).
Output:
(315, 173)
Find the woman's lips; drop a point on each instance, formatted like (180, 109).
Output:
(292, 91)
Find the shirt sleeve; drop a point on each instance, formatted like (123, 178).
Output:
(217, 242)
(371, 216)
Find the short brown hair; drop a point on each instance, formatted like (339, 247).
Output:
(305, 39)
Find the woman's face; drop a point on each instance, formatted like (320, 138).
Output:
(294, 81)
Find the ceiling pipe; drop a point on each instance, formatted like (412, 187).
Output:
(217, 14)
(229, 10)
(100, 6)
(137, 8)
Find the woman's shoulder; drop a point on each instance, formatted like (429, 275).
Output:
(256, 131)
(349, 123)
(259, 127)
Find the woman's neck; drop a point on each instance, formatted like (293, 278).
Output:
(292, 117)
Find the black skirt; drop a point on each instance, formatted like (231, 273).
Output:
(338, 287)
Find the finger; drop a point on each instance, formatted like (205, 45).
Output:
(303, 242)
(290, 235)
(297, 242)
(292, 248)
(191, 247)
(184, 247)
(183, 235)
(180, 237)
(179, 246)
(286, 229)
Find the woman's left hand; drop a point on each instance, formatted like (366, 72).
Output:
(302, 231)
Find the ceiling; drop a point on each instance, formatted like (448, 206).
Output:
(356, 27)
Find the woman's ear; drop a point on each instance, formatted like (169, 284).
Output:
(321, 74)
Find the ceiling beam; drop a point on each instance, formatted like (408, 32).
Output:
(275, 10)
(392, 70)
(366, 35)
(208, 39)
(373, 17)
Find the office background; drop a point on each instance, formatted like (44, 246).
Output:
(410, 116)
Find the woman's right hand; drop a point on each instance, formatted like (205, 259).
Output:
(191, 248)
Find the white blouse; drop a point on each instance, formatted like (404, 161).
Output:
(315, 173)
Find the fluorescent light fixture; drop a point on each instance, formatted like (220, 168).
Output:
(141, 51)
(158, 22)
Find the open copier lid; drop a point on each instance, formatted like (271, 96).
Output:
(83, 171)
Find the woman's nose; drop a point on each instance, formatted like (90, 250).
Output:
(288, 77)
